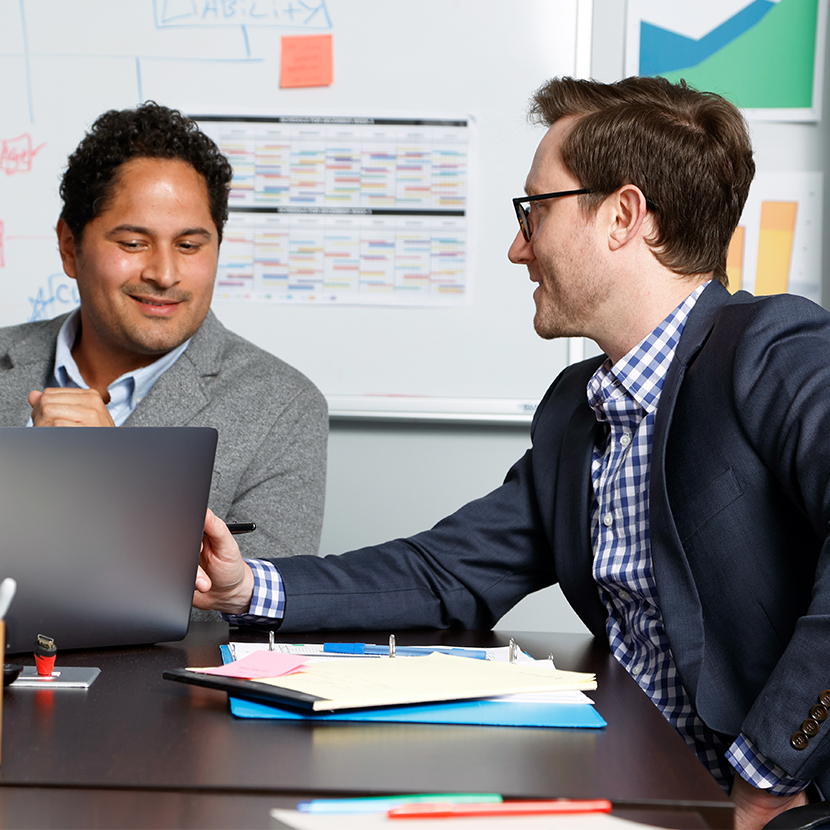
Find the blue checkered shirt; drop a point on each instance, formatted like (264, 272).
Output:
(268, 600)
(624, 397)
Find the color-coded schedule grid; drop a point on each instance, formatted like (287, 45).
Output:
(333, 258)
(348, 210)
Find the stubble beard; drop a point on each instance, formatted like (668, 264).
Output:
(560, 315)
(152, 337)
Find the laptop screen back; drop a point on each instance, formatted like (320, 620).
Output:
(102, 528)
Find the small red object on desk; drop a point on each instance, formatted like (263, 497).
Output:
(45, 653)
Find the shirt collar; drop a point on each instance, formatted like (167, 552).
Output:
(66, 369)
(139, 382)
(642, 371)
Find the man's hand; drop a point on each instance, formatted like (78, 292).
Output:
(224, 581)
(69, 408)
(754, 807)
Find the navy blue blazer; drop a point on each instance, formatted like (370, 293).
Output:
(739, 509)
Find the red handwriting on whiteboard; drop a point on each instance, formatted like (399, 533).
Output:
(16, 154)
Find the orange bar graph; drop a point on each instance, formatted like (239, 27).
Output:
(775, 247)
(735, 259)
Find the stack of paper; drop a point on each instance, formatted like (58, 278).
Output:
(360, 684)
(469, 693)
(590, 821)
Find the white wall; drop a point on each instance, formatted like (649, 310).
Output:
(394, 480)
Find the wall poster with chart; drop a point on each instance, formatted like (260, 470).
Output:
(766, 56)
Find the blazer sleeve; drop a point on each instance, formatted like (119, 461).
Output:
(467, 571)
(782, 392)
(283, 487)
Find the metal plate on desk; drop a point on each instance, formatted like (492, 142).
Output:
(67, 677)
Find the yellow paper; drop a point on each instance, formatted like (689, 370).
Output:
(352, 684)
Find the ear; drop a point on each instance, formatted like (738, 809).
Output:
(630, 212)
(68, 249)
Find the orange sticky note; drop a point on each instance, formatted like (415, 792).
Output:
(306, 61)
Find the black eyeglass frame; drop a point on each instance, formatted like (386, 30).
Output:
(524, 219)
(521, 212)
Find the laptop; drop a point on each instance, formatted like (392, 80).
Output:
(102, 528)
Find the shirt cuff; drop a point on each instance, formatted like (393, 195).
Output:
(758, 771)
(268, 600)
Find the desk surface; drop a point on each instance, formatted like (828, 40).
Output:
(135, 730)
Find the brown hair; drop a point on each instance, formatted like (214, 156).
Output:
(687, 151)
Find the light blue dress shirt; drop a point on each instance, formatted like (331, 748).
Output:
(126, 392)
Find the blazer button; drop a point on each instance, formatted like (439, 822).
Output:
(810, 728)
(819, 713)
(799, 741)
(824, 698)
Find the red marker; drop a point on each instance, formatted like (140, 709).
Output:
(507, 808)
(45, 653)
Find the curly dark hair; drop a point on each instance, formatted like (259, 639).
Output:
(148, 131)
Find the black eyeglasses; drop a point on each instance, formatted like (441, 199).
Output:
(524, 218)
(521, 210)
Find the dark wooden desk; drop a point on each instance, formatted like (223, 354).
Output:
(139, 751)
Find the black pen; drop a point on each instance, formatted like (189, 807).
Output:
(241, 527)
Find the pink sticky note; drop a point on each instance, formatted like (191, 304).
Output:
(258, 665)
(306, 60)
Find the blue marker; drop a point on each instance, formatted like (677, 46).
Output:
(380, 804)
(401, 651)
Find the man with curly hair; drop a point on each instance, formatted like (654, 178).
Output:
(145, 200)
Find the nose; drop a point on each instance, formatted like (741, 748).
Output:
(160, 268)
(521, 251)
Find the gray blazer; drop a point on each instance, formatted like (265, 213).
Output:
(272, 421)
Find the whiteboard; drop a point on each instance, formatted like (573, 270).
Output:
(65, 61)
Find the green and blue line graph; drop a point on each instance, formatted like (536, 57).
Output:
(761, 57)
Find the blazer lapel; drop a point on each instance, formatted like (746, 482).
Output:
(27, 365)
(679, 601)
(563, 484)
(176, 397)
(180, 393)
(574, 552)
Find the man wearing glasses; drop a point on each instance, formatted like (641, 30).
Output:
(677, 486)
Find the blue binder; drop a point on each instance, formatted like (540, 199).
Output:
(465, 712)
